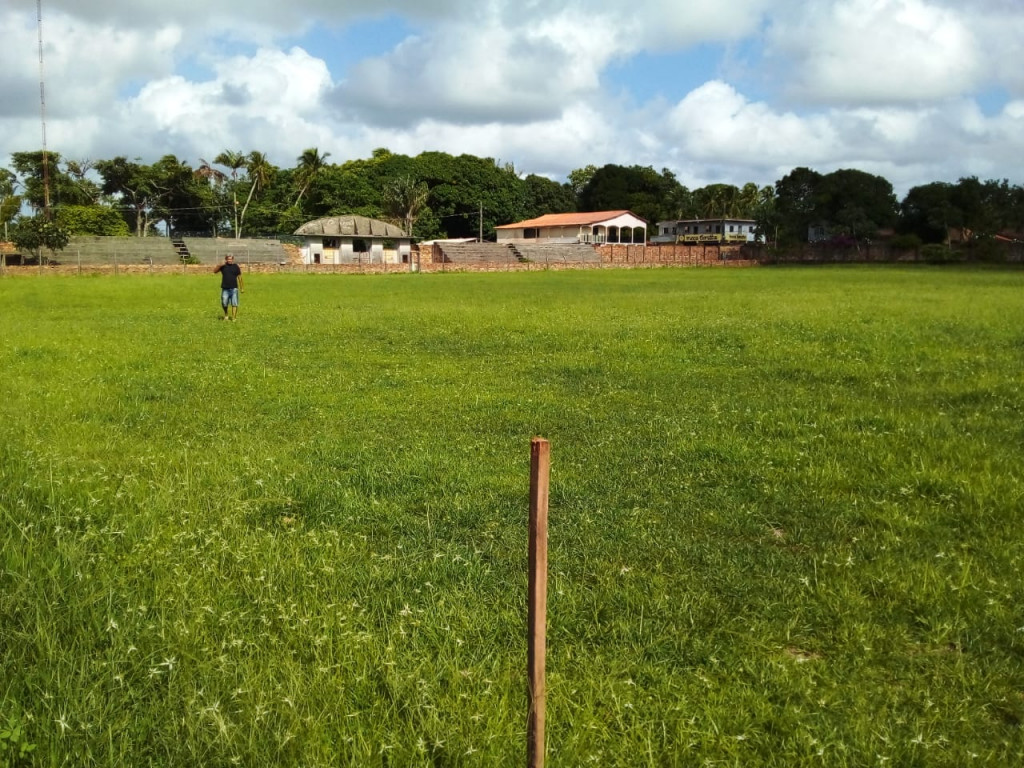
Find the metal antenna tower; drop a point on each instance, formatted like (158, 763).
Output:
(42, 106)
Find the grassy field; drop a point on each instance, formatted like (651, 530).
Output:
(787, 518)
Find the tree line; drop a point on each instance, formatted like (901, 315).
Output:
(435, 194)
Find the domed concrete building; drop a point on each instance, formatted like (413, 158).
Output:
(353, 240)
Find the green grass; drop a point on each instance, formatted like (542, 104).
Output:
(786, 518)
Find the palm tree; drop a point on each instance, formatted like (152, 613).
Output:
(311, 162)
(404, 199)
(747, 199)
(765, 215)
(208, 173)
(233, 160)
(215, 178)
(259, 170)
(9, 202)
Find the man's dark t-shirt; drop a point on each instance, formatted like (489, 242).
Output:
(229, 276)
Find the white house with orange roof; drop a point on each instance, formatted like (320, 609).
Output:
(596, 227)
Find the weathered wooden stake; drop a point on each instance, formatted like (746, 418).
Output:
(537, 608)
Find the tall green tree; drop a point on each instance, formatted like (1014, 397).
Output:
(797, 203)
(33, 233)
(404, 199)
(469, 194)
(234, 160)
(216, 196)
(184, 203)
(135, 186)
(10, 203)
(639, 189)
(988, 207)
(87, 191)
(716, 201)
(681, 203)
(166, 191)
(542, 195)
(856, 204)
(95, 220)
(310, 164)
(928, 211)
(259, 172)
(580, 177)
(64, 187)
(765, 214)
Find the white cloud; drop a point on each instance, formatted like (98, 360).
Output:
(719, 124)
(268, 102)
(521, 63)
(88, 67)
(889, 86)
(876, 51)
(462, 78)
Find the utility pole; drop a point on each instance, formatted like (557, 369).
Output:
(42, 107)
(481, 221)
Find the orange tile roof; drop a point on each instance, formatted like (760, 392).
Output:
(567, 219)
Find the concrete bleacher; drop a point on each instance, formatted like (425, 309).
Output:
(117, 250)
(212, 250)
(478, 253)
(557, 253)
(161, 250)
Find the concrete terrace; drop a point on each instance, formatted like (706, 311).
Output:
(163, 251)
(518, 252)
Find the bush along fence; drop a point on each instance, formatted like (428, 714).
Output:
(991, 251)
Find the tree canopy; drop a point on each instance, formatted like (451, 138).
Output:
(436, 194)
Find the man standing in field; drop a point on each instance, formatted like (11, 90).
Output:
(230, 286)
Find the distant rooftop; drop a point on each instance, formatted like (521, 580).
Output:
(568, 219)
(352, 226)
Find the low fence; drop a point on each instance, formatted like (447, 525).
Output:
(611, 256)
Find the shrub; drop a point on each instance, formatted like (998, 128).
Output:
(908, 242)
(96, 220)
(936, 253)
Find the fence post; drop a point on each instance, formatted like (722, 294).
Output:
(537, 593)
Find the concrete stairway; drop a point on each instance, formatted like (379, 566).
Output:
(478, 253)
(180, 248)
(556, 253)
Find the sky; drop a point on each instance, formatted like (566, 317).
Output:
(717, 91)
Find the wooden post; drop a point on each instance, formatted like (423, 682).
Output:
(537, 608)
